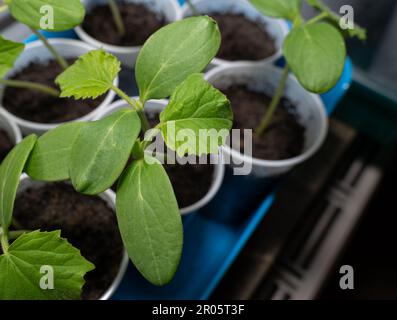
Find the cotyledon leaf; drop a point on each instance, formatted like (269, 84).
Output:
(10, 173)
(102, 150)
(50, 15)
(50, 158)
(174, 52)
(149, 220)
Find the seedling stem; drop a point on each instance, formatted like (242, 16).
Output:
(137, 105)
(61, 61)
(274, 103)
(30, 85)
(117, 17)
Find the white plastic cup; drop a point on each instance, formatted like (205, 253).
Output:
(276, 28)
(169, 9)
(110, 198)
(309, 108)
(157, 106)
(10, 127)
(37, 52)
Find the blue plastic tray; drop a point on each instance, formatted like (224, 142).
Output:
(213, 238)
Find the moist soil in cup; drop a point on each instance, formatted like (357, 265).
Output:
(139, 22)
(39, 107)
(5, 144)
(191, 182)
(86, 222)
(243, 39)
(284, 137)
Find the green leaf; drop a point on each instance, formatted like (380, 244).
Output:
(149, 220)
(316, 54)
(20, 266)
(10, 173)
(173, 53)
(287, 9)
(37, 14)
(90, 76)
(101, 151)
(9, 53)
(196, 106)
(50, 158)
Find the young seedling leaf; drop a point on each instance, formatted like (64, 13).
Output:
(316, 54)
(42, 266)
(90, 76)
(50, 158)
(10, 172)
(287, 9)
(149, 220)
(9, 53)
(173, 53)
(101, 151)
(49, 15)
(197, 119)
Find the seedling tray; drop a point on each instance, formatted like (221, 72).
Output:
(213, 238)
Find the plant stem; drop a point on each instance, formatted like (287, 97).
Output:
(136, 105)
(4, 241)
(61, 60)
(274, 103)
(151, 135)
(318, 18)
(30, 85)
(117, 17)
(193, 8)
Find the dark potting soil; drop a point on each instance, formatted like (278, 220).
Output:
(139, 22)
(40, 107)
(283, 139)
(191, 182)
(243, 39)
(86, 222)
(5, 144)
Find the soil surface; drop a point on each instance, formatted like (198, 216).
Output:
(243, 39)
(86, 222)
(139, 22)
(5, 144)
(36, 106)
(191, 182)
(283, 139)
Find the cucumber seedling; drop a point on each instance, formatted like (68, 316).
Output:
(9, 53)
(51, 15)
(314, 50)
(22, 260)
(94, 155)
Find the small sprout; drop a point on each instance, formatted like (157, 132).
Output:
(50, 15)
(9, 53)
(314, 50)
